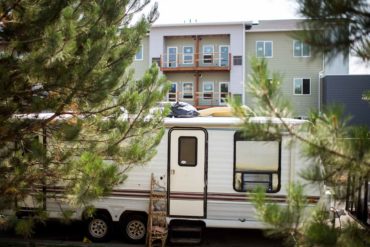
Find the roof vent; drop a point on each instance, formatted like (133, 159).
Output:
(247, 26)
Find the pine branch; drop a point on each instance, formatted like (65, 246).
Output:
(305, 140)
(8, 10)
(131, 8)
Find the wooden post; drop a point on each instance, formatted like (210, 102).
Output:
(196, 99)
(197, 57)
(229, 60)
(197, 41)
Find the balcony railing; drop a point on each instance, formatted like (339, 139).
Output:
(196, 61)
(200, 99)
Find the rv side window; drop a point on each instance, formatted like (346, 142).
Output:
(256, 164)
(188, 151)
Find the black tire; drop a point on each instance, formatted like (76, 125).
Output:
(99, 228)
(133, 227)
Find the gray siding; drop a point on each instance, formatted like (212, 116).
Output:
(347, 91)
(142, 65)
(288, 66)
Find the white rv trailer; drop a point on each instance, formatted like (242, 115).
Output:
(208, 169)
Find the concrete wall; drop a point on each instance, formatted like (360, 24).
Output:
(347, 90)
(288, 66)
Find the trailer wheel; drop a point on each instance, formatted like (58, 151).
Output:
(133, 227)
(99, 228)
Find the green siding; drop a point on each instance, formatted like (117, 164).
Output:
(142, 65)
(288, 66)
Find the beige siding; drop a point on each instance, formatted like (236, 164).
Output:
(216, 41)
(288, 66)
(180, 42)
(141, 66)
(215, 77)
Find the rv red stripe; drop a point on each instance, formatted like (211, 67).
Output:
(212, 196)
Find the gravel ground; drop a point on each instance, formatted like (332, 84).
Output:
(57, 234)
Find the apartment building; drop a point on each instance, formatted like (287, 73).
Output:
(300, 71)
(207, 62)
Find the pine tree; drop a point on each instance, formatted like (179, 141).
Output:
(68, 101)
(341, 161)
(341, 153)
(339, 26)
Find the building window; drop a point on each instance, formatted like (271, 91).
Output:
(139, 56)
(188, 55)
(208, 54)
(172, 57)
(302, 86)
(224, 55)
(301, 49)
(156, 60)
(172, 93)
(208, 90)
(224, 92)
(187, 90)
(256, 164)
(188, 146)
(264, 49)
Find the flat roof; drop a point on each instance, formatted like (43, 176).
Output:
(256, 26)
(277, 25)
(187, 24)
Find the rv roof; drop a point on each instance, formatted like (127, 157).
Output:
(224, 122)
(42, 116)
(206, 122)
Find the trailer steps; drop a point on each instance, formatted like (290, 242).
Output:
(186, 232)
(157, 222)
(183, 241)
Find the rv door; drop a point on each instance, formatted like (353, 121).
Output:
(187, 172)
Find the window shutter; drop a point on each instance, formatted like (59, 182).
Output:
(306, 86)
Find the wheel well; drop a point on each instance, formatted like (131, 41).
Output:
(131, 212)
(97, 211)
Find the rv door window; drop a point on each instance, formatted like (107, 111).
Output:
(188, 151)
(256, 164)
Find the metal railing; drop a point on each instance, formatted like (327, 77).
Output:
(200, 98)
(189, 60)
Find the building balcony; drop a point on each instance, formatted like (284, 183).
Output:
(200, 100)
(181, 62)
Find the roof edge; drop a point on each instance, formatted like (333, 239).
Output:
(201, 24)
